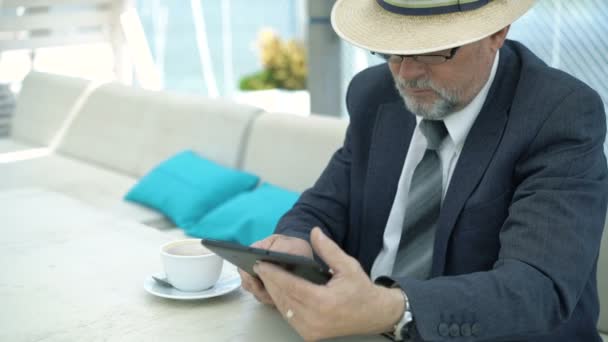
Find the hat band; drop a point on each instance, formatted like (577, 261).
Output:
(430, 7)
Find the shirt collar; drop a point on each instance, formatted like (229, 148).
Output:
(459, 123)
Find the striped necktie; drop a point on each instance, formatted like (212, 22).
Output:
(415, 252)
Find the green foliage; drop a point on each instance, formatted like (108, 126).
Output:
(257, 81)
(284, 65)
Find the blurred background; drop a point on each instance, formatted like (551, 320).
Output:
(281, 55)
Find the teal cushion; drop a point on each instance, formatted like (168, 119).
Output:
(246, 218)
(186, 186)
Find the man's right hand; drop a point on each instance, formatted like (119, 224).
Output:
(277, 243)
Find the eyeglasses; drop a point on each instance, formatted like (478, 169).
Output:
(431, 59)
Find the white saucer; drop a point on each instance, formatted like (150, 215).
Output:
(223, 286)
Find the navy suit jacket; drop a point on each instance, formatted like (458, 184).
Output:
(518, 237)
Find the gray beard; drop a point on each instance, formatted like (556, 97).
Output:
(448, 102)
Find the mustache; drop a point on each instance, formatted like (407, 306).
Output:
(423, 83)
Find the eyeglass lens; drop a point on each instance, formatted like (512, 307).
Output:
(435, 58)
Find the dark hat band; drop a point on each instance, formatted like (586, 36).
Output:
(430, 7)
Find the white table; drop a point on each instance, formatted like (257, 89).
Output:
(70, 272)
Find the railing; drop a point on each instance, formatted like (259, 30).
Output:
(31, 24)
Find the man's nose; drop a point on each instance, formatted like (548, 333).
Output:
(410, 69)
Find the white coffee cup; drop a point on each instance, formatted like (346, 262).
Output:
(190, 266)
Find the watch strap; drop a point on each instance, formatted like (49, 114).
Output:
(401, 329)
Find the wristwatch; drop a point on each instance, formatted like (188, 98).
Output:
(401, 330)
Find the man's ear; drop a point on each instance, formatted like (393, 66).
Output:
(498, 39)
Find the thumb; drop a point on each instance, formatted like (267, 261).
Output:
(330, 252)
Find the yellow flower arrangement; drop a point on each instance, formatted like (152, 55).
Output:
(284, 64)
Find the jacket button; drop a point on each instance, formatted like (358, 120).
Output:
(443, 329)
(454, 330)
(476, 329)
(465, 329)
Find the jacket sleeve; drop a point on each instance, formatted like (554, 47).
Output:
(549, 242)
(325, 205)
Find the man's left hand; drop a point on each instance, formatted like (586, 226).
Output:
(349, 304)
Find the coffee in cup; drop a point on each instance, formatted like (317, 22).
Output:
(190, 266)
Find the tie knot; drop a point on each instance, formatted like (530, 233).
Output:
(434, 131)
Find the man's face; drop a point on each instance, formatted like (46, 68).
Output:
(435, 91)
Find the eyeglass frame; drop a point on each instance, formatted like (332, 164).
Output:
(387, 57)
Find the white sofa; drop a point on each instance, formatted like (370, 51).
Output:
(92, 142)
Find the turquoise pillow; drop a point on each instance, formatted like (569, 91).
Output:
(246, 218)
(186, 186)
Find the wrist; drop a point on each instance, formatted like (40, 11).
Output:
(393, 308)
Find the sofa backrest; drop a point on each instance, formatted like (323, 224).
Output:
(215, 128)
(131, 130)
(43, 105)
(602, 282)
(291, 151)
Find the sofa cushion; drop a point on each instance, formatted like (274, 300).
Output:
(40, 113)
(132, 130)
(186, 187)
(97, 186)
(246, 218)
(214, 128)
(292, 151)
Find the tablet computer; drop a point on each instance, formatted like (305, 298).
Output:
(244, 257)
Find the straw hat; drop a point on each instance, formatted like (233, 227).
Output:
(407, 27)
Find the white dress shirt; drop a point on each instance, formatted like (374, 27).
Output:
(458, 125)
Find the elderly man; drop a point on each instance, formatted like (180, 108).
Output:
(469, 198)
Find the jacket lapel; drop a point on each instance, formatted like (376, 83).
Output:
(478, 150)
(393, 130)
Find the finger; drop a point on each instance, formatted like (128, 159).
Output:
(261, 295)
(273, 291)
(276, 279)
(297, 299)
(284, 304)
(331, 253)
(284, 244)
(258, 244)
(265, 243)
(256, 287)
(246, 278)
(273, 242)
(264, 298)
